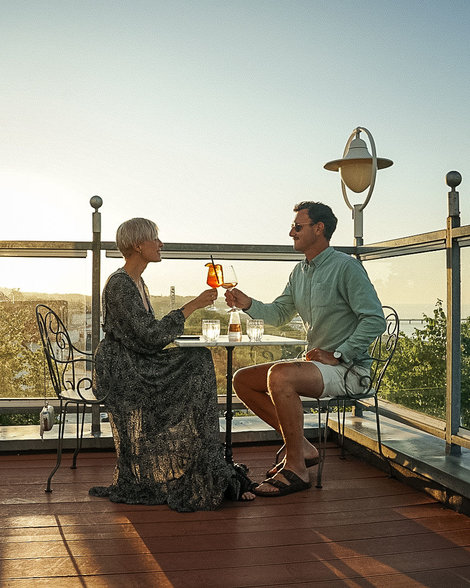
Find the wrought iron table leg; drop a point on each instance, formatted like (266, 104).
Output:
(228, 409)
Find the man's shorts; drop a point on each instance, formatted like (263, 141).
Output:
(334, 384)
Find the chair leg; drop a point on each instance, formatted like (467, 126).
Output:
(60, 440)
(79, 436)
(322, 438)
(379, 438)
(341, 408)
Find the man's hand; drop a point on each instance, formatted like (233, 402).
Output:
(322, 356)
(237, 298)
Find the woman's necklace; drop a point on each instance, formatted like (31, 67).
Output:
(140, 287)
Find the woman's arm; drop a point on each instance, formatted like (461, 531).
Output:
(127, 319)
(204, 299)
(130, 322)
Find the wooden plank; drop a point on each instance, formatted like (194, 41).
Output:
(257, 547)
(361, 527)
(230, 572)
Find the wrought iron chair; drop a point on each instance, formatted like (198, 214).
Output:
(381, 351)
(70, 373)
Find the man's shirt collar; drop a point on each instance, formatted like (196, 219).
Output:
(318, 259)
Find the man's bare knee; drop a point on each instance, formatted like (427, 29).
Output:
(280, 376)
(295, 376)
(241, 377)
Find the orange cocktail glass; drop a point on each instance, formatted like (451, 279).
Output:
(215, 278)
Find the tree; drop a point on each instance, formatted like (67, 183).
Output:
(416, 378)
(21, 362)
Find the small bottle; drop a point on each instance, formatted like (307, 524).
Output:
(234, 327)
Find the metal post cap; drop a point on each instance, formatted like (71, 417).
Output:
(453, 179)
(96, 202)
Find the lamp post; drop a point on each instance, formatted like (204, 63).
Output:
(358, 169)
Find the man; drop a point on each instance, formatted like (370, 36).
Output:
(342, 314)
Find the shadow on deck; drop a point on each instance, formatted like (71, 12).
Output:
(361, 529)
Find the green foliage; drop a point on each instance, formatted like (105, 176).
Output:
(19, 419)
(416, 378)
(21, 360)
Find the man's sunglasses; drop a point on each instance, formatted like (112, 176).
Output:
(298, 226)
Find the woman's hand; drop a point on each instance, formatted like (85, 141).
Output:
(205, 298)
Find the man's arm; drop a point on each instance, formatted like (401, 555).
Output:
(277, 313)
(365, 304)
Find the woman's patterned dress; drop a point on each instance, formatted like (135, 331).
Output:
(162, 406)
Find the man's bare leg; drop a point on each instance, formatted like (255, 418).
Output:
(272, 391)
(251, 386)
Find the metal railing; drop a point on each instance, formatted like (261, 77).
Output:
(451, 240)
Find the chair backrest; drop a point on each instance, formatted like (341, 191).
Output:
(381, 351)
(69, 367)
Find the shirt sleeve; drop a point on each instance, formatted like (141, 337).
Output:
(127, 319)
(360, 294)
(278, 312)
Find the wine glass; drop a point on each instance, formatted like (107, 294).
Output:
(214, 279)
(229, 281)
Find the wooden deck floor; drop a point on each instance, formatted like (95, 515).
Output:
(361, 530)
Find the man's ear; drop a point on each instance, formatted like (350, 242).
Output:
(320, 227)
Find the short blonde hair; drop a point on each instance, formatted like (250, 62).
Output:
(134, 232)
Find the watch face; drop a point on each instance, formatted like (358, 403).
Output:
(337, 354)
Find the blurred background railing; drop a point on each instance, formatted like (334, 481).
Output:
(427, 386)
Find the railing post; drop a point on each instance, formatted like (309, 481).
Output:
(96, 202)
(453, 357)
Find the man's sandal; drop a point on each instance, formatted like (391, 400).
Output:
(296, 485)
(309, 463)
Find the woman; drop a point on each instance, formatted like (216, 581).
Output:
(162, 402)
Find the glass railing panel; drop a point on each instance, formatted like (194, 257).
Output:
(415, 286)
(465, 338)
(61, 284)
(263, 280)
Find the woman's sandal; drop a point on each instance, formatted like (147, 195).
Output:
(240, 483)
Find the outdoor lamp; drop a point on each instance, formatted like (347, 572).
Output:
(358, 169)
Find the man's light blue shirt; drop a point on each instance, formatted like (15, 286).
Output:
(336, 301)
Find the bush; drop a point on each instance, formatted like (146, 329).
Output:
(416, 378)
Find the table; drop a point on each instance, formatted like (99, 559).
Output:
(222, 341)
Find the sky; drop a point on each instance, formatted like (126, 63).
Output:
(214, 118)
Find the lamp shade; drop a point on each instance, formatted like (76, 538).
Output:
(356, 174)
(356, 166)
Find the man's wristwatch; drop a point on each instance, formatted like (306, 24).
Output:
(338, 355)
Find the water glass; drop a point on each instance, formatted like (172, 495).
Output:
(210, 330)
(255, 329)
